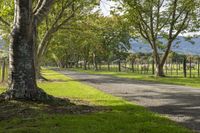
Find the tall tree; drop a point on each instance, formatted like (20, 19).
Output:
(154, 19)
(62, 15)
(22, 81)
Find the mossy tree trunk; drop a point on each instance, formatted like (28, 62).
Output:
(21, 62)
(22, 78)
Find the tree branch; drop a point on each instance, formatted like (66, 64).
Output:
(42, 9)
(4, 22)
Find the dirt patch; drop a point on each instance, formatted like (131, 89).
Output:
(75, 109)
(11, 109)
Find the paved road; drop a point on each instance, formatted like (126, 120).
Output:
(179, 103)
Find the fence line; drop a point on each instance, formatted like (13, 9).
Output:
(179, 68)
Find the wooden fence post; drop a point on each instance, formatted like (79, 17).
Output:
(184, 67)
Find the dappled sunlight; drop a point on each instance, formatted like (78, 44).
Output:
(2, 90)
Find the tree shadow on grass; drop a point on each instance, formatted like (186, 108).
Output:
(117, 117)
(27, 109)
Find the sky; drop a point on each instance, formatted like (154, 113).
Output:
(105, 7)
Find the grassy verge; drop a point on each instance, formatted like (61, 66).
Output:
(121, 116)
(192, 82)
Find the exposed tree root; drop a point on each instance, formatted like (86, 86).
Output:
(41, 78)
(38, 95)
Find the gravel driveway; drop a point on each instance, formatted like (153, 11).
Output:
(179, 103)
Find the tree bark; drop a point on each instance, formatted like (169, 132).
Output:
(85, 65)
(95, 62)
(119, 65)
(159, 70)
(22, 76)
(108, 64)
(185, 67)
(3, 69)
(22, 81)
(153, 69)
(159, 66)
(132, 66)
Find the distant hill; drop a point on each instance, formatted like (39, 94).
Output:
(181, 45)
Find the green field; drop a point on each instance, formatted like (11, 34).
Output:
(174, 70)
(177, 80)
(115, 115)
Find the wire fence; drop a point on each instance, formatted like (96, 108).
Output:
(178, 68)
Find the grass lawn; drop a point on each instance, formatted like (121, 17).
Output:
(192, 82)
(116, 116)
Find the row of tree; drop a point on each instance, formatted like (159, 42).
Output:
(93, 40)
(150, 20)
(72, 30)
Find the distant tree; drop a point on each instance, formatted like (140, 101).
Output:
(62, 16)
(154, 19)
(93, 39)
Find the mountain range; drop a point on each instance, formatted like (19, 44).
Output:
(181, 45)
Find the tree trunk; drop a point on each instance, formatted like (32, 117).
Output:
(85, 65)
(190, 67)
(95, 65)
(22, 79)
(38, 70)
(185, 67)
(159, 65)
(3, 70)
(132, 66)
(159, 70)
(108, 64)
(153, 69)
(119, 65)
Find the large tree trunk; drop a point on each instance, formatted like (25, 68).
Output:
(22, 81)
(159, 66)
(159, 70)
(95, 62)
